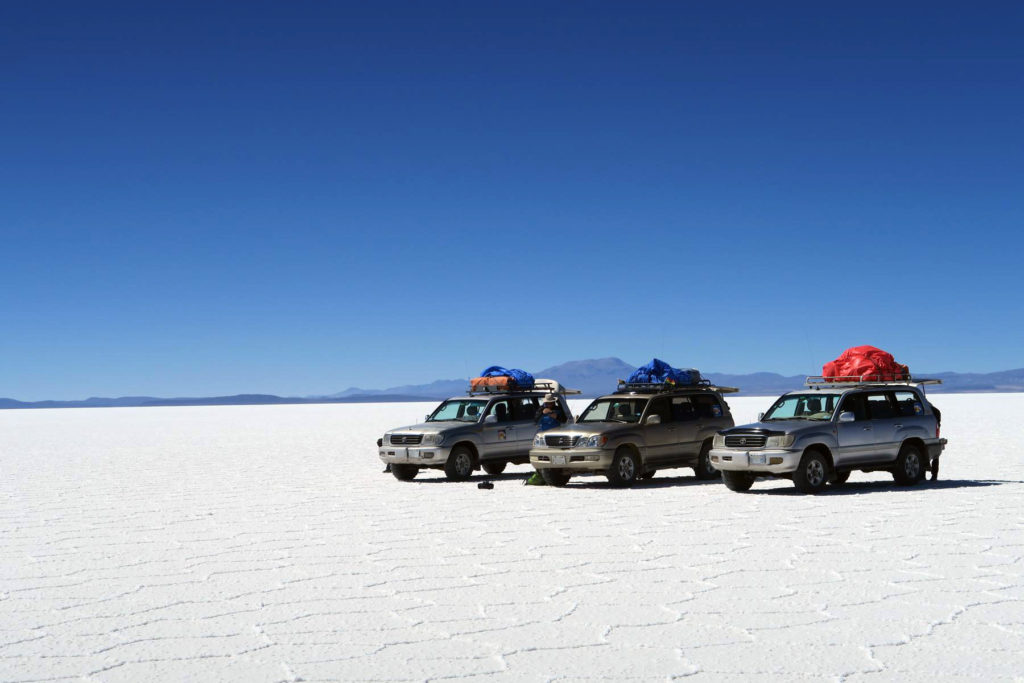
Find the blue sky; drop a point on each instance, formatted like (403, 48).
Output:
(295, 198)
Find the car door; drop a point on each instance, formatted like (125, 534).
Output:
(685, 428)
(711, 417)
(524, 409)
(854, 438)
(499, 433)
(659, 438)
(884, 418)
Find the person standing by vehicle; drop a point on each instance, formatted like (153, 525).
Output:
(549, 416)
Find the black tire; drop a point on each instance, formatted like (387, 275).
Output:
(840, 478)
(648, 474)
(459, 466)
(910, 465)
(494, 468)
(703, 468)
(404, 472)
(557, 478)
(812, 474)
(625, 468)
(737, 481)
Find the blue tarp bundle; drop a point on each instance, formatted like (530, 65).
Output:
(658, 372)
(523, 379)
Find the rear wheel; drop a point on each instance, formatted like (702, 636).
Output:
(555, 477)
(404, 472)
(812, 474)
(909, 467)
(703, 469)
(737, 481)
(459, 466)
(625, 468)
(494, 467)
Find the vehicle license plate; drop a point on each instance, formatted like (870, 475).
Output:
(557, 459)
(756, 458)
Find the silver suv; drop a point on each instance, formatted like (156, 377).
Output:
(635, 432)
(821, 434)
(487, 429)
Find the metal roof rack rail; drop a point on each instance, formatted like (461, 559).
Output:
(661, 387)
(859, 381)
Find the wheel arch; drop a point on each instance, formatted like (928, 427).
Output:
(473, 450)
(824, 450)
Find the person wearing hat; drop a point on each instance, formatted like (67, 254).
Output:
(548, 416)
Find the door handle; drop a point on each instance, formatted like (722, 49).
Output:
(866, 429)
(898, 426)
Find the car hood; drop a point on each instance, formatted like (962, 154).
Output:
(592, 428)
(430, 427)
(775, 428)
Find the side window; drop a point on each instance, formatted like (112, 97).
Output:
(880, 406)
(500, 409)
(708, 406)
(854, 403)
(908, 404)
(524, 408)
(683, 409)
(661, 406)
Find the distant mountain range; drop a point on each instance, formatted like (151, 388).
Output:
(592, 377)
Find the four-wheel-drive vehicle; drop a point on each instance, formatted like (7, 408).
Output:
(634, 432)
(488, 428)
(822, 433)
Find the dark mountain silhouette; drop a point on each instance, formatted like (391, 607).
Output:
(592, 377)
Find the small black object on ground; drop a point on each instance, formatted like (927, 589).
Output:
(485, 485)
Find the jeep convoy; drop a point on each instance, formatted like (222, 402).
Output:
(486, 428)
(821, 434)
(634, 432)
(815, 436)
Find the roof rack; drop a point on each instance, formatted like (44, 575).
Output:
(540, 386)
(662, 387)
(859, 381)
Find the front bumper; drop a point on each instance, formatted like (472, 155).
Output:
(776, 461)
(596, 459)
(423, 456)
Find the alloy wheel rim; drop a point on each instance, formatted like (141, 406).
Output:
(626, 469)
(912, 465)
(815, 473)
(462, 463)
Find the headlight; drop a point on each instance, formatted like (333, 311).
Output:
(437, 439)
(784, 441)
(539, 440)
(595, 441)
(719, 441)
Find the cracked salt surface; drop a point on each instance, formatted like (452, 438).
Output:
(263, 543)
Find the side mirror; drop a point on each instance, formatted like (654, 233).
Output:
(491, 419)
(760, 416)
(426, 418)
(847, 416)
(653, 420)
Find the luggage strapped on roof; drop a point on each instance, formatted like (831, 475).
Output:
(540, 386)
(662, 387)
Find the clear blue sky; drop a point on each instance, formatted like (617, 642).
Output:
(298, 197)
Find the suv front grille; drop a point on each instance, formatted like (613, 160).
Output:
(406, 439)
(746, 441)
(559, 441)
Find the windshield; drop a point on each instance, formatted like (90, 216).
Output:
(614, 410)
(458, 410)
(815, 406)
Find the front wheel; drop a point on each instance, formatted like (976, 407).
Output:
(737, 481)
(459, 466)
(557, 478)
(812, 474)
(494, 468)
(625, 468)
(404, 472)
(703, 469)
(909, 466)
